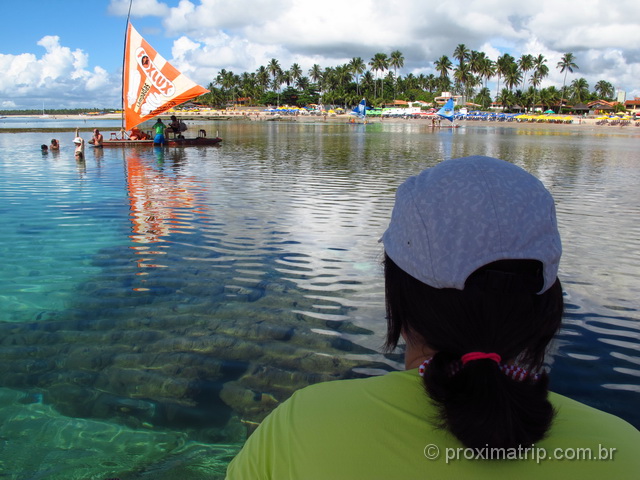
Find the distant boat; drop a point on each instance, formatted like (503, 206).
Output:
(448, 112)
(360, 110)
(150, 87)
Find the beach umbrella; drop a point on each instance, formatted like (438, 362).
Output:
(549, 111)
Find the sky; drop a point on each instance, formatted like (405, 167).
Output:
(68, 53)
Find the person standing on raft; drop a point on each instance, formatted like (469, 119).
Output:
(159, 128)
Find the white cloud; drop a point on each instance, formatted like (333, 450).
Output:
(241, 35)
(60, 73)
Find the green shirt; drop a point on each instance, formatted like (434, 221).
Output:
(378, 428)
(159, 127)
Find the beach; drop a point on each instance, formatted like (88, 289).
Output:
(578, 122)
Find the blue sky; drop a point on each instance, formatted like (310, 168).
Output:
(68, 53)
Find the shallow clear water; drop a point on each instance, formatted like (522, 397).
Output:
(157, 303)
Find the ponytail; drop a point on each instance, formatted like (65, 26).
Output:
(498, 311)
(482, 406)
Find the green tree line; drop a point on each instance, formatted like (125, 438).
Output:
(466, 73)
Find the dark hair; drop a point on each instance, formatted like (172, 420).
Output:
(43, 147)
(499, 311)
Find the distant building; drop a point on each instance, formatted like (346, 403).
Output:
(444, 98)
(621, 96)
(601, 106)
(633, 105)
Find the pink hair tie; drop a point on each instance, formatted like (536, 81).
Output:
(468, 357)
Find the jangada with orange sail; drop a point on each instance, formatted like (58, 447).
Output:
(150, 87)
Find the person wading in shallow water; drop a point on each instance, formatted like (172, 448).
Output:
(79, 143)
(97, 139)
(470, 266)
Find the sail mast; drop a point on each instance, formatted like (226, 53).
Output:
(124, 57)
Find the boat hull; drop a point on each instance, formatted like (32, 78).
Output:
(173, 142)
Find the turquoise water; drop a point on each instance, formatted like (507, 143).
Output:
(156, 304)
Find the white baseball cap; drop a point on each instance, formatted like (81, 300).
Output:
(465, 213)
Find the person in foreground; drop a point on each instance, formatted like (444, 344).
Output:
(471, 261)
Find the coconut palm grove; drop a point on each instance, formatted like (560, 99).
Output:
(467, 73)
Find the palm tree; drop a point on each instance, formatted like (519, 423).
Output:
(463, 75)
(275, 71)
(484, 98)
(228, 82)
(286, 77)
(315, 73)
(461, 53)
(442, 66)
(525, 63)
(536, 81)
(506, 98)
(428, 82)
(540, 71)
(328, 81)
(396, 60)
(512, 76)
(344, 75)
(262, 78)
(549, 97)
(475, 60)
(303, 83)
(566, 65)
(539, 67)
(274, 68)
(410, 82)
(367, 81)
(358, 67)
(481, 65)
(528, 98)
(379, 63)
(604, 89)
(487, 69)
(502, 66)
(296, 72)
(580, 89)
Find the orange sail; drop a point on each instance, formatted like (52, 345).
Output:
(151, 85)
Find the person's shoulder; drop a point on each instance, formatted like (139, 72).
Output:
(582, 420)
(353, 391)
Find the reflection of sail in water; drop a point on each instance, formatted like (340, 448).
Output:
(446, 143)
(157, 201)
